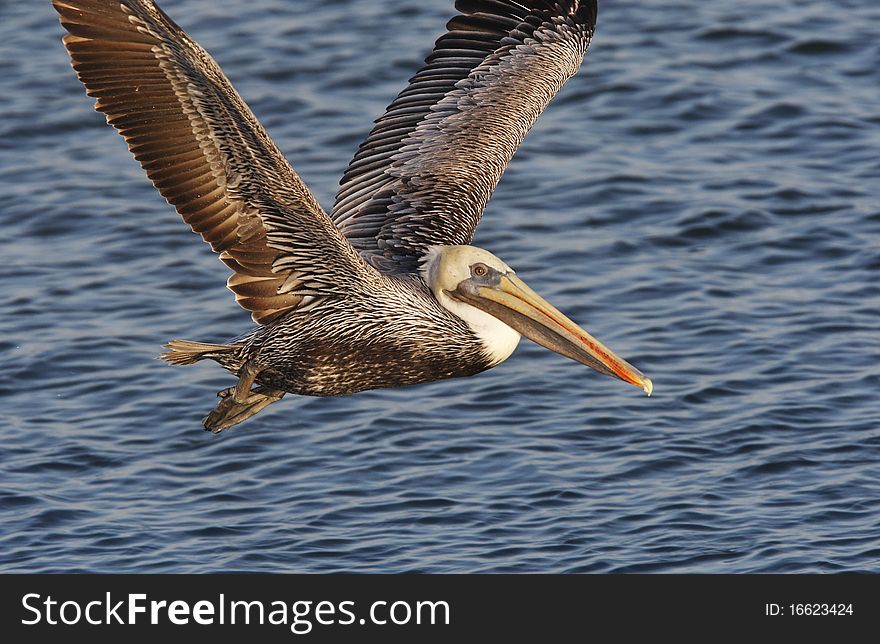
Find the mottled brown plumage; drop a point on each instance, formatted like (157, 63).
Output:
(380, 292)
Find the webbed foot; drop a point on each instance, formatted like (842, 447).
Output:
(240, 402)
(230, 411)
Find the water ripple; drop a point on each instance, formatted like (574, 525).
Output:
(704, 198)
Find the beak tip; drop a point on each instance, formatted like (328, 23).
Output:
(648, 386)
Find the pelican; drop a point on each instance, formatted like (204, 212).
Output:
(384, 290)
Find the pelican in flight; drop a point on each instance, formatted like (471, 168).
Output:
(385, 289)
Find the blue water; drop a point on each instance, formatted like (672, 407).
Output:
(704, 197)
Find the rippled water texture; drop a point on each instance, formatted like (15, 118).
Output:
(704, 197)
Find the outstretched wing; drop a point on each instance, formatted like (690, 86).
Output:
(206, 153)
(426, 171)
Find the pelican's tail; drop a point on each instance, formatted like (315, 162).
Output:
(183, 352)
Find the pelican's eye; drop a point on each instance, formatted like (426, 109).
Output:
(479, 270)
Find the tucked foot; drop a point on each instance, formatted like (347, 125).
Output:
(230, 411)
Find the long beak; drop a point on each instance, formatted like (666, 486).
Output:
(518, 306)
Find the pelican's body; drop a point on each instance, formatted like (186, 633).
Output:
(378, 337)
(385, 290)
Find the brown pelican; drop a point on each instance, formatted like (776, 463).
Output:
(384, 290)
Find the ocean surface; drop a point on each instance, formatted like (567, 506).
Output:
(704, 197)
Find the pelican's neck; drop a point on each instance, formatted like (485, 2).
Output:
(498, 339)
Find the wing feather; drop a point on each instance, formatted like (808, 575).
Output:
(206, 153)
(427, 169)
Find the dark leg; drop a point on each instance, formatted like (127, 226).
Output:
(230, 411)
(240, 402)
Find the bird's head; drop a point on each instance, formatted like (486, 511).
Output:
(485, 292)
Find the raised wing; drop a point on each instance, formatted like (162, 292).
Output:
(426, 171)
(207, 154)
